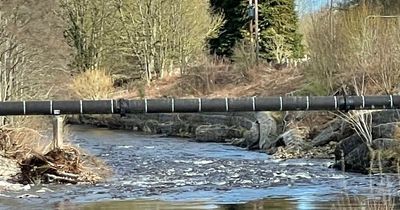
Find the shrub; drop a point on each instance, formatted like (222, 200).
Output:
(350, 48)
(93, 84)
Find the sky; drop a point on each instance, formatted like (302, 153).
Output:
(304, 6)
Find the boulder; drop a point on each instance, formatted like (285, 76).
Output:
(216, 133)
(336, 130)
(385, 144)
(325, 137)
(151, 126)
(291, 139)
(358, 160)
(387, 130)
(267, 129)
(252, 137)
(347, 145)
(385, 116)
(177, 129)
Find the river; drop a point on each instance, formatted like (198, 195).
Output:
(153, 172)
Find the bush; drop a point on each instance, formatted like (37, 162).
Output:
(93, 84)
(244, 58)
(350, 48)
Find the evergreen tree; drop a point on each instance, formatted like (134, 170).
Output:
(279, 36)
(235, 20)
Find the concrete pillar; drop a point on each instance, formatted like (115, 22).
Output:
(58, 125)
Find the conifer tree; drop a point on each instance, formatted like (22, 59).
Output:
(231, 32)
(279, 36)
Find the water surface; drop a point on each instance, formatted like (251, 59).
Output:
(152, 172)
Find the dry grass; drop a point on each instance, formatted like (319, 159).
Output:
(353, 48)
(19, 143)
(93, 84)
(221, 79)
(351, 203)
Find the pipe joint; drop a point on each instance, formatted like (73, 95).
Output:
(122, 107)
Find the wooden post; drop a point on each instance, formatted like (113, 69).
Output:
(58, 132)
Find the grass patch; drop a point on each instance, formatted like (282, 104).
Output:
(93, 84)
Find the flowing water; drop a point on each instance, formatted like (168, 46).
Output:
(152, 172)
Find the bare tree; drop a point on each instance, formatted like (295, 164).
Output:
(90, 23)
(162, 34)
(20, 76)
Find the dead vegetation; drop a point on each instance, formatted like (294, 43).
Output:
(93, 84)
(67, 165)
(221, 78)
(40, 164)
(354, 46)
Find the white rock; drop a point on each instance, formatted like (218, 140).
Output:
(28, 196)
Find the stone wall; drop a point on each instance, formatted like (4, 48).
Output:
(250, 129)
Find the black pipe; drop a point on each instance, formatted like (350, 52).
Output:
(170, 105)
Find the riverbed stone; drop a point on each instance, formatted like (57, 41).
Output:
(239, 142)
(267, 129)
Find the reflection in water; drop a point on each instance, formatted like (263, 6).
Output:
(340, 203)
(277, 203)
(281, 203)
(147, 205)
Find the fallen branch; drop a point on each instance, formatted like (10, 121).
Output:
(62, 179)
